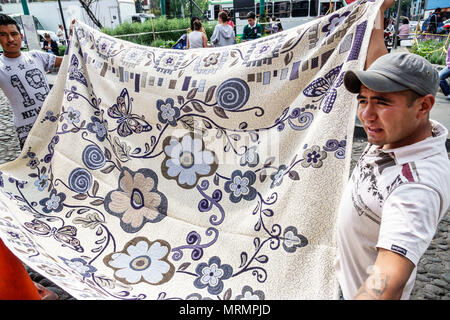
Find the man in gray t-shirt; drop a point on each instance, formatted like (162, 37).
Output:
(22, 76)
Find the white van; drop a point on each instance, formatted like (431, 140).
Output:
(39, 29)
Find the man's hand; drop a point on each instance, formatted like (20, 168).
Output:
(387, 277)
(387, 4)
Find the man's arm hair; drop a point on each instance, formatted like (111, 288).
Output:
(387, 278)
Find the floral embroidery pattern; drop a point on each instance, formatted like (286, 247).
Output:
(54, 202)
(98, 127)
(335, 21)
(167, 112)
(313, 157)
(212, 274)
(137, 200)
(142, 260)
(240, 186)
(211, 63)
(187, 160)
(200, 147)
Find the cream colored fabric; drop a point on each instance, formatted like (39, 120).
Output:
(208, 173)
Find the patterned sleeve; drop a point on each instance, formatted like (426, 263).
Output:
(47, 59)
(409, 220)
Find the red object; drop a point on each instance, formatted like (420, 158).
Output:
(15, 283)
(349, 1)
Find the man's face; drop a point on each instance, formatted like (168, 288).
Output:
(251, 21)
(387, 118)
(10, 39)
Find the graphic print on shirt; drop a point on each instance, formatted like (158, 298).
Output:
(368, 171)
(36, 80)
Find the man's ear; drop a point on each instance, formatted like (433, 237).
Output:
(426, 104)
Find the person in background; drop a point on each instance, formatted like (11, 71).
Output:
(22, 76)
(50, 45)
(435, 20)
(403, 31)
(252, 30)
(223, 34)
(268, 27)
(60, 34)
(279, 26)
(230, 19)
(196, 38)
(193, 19)
(443, 75)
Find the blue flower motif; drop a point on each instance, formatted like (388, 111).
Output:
(2, 184)
(42, 182)
(240, 186)
(167, 112)
(250, 157)
(80, 180)
(72, 116)
(334, 22)
(79, 265)
(313, 157)
(212, 274)
(98, 127)
(54, 202)
(277, 177)
(187, 160)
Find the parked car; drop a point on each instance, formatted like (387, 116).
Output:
(413, 26)
(141, 17)
(39, 29)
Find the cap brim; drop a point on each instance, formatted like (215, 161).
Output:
(372, 80)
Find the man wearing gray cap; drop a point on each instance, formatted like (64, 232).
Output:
(400, 187)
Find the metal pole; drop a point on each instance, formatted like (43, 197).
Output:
(62, 18)
(396, 23)
(163, 7)
(26, 11)
(262, 9)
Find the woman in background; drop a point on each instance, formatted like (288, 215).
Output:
(196, 38)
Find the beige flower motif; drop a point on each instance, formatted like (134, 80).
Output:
(137, 200)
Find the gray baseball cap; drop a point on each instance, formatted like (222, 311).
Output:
(394, 72)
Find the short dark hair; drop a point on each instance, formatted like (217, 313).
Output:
(192, 22)
(197, 25)
(251, 15)
(223, 16)
(405, 21)
(412, 96)
(7, 20)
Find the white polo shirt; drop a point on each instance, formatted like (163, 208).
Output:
(394, 200)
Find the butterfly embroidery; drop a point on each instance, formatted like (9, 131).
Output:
(75, 73)
(128, 123)
(64, 234)
(325, 88)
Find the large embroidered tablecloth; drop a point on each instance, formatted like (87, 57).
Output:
(190, 174)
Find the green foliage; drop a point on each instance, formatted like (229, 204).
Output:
(166, 30)
(61, 50)
(431, 50)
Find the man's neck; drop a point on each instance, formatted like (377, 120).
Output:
(421, 133)
(12, 55)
